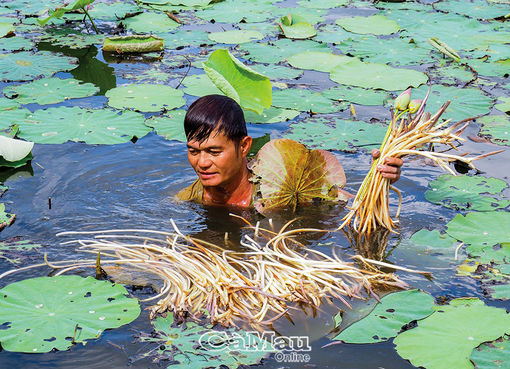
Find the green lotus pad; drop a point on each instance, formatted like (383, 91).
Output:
(453, 74)
(145, 97)
(505, 105)
(332, 33)
(375, 24)
(280, 50)
(432, 239)
(185, 38)
(150, 22)
(466, 192)
(235, 36)
(15, 44)
(464, 102)
(271, 115)
(248, 88)
(388, 317)
(446, 339)
(112, 11)
(11, 250)
(56, 309)
(200, 85)
(6, 219)
(316, 60)
(303, 100)
(234, 11)
(497, 126)
(93, 126)
(24, 66)
(170, 125)
(277, 72)
(373, 75)
(6, 28)
(490, 67)
(474, 8)
(492, 355)
(481, 229)
(296, 26)
(322, 4)
(49, 91)
(357, 95)
(339, 134)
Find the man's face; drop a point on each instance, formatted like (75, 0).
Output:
(217, 160)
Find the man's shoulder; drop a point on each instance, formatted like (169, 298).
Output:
(193, 192)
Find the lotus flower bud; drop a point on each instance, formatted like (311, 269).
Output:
(402, 101)
(414, 105)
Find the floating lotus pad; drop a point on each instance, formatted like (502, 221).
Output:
(338, 134)
(303, 100)
(453, 74)
(481, 228)
(133, 44)
(24, 66)
(200, 85)
(497, 126)
(280, 50)
(372, 75)
(145, 97)
(6, 219)
(357, 95)
(375, 24)
(276, 72)
(93, 126)
(475, 8)
(183, 37)
(187, 345)
(388, 317)
(235, 36)
(9, 117)
(71, 38)
(15, 43)
(149, 22)
(503, 106)
(491, 68)
(49, 91)
(290, 175)
(30, 7)
(112, 11)
(5, 28)
(170, 125)
(296, 27)
(492, 355)
(250, 89)
(234, 11)
(317, 60)
(466, 192)
(446, 338)
(271, 115)
(322, 4)
(432, 239)
(332, 33)
(70, 307)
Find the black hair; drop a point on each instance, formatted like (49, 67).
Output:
(212, 112)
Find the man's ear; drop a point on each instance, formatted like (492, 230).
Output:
(245, 145)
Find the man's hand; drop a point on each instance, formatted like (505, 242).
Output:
(390, 168)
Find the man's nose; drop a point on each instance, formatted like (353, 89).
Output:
(204, 161)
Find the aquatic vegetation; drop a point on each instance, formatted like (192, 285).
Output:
(356, 95)
(145, 97)
(234, 11)
(492, 355)
(59, 12)
(271, 115)
(13, 249)
(235, 36)
(13, 150)
(296, 27)
(170, 125)
(133, 44)
(280, 50)
(200, 85)
(444, 49)
(375, 24)
(6, 219)
(25, 66)
(303, 100)
(70, 309)
(150, 22)
(388, 317)
(497, 127)
(248, 88)
(15, 43)
(317, 60)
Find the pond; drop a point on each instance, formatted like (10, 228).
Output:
(90, 179)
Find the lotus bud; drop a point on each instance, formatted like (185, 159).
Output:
(414, 105)
(402, 101)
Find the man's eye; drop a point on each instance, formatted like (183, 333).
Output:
(192, 152)
(215, 152)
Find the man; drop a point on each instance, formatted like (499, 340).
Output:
(218, 144)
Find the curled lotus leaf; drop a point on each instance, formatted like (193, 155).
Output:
(375, 24)
(56, 309)
(133, 44)
(290, 175)
(248, 88)
(296, 27)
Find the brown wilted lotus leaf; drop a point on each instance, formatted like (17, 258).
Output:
(290, 175)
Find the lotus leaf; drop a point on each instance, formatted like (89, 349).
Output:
(322, 4)
(268, 29)
(331, 33)
(8, 104)
(492, 355)
(396, 51)
(234, 11)
(271, 115)
(356, 95)
(297, 27)
(112, 11)
(24, 66)
(290, 175)
(308, 15)
(49, 91)
(453, 74)
(465, 192)
(71, 38)
(479, 228)
(12, 116)
(505, 105)
(303, 100)
(280, 50)
(185, 38)
(93, 126)
(500, 291)
(170, 125)
(14, 150)
(276, 72)
(432, 239)
(6, 28)
(491, 68)
(235, 36)
(474, 8)
(30, 7)
(388, 317)
(150, 22)
(250, 89)
(402, 5)
(11, 250)
(316, 60)
(200, 85)
(188, 345)
(15, 44)
(446, 338)
(346, 135)
(49, 319)
(373, 75)
(60, 11)
(375, 24)
(145, 97)
(464, 102)
(133, 44)
(6, 219)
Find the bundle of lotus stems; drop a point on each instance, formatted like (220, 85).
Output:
(405, 136)
(233, 288)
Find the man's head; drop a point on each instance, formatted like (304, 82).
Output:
(217, 139)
